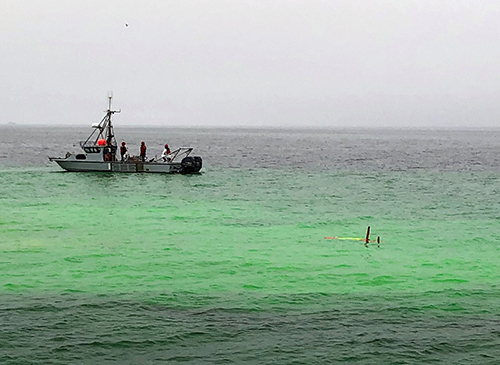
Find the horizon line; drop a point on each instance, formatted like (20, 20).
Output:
(298, 127)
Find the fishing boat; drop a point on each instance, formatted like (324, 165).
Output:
(99, 153)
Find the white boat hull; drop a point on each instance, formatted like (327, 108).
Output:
(154, 167)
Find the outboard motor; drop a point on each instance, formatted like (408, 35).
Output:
(191, 164)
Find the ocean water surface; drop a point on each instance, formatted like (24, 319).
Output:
(232, 265)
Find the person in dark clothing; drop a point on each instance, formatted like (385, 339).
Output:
(143, 151)
(123, 150)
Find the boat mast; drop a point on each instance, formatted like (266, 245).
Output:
(105, 128)
(110, 135)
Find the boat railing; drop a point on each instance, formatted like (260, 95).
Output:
(89, 144)
(180, 152)
(177, 153)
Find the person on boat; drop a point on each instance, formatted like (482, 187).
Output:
(123, 151)
(107, 154)
(166, 154)
(143, 151)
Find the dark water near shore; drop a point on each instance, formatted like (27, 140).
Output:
(231, 266)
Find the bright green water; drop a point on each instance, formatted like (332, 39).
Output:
(232, 266)
(256, 231)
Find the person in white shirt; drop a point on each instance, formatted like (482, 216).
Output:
(166, 154)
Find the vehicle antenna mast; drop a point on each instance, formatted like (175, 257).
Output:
(110, 135)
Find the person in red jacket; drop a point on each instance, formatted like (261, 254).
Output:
(143, 151)
(123, 150)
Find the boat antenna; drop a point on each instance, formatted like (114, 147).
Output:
(110, 97)
(110, 135)
(105, 128)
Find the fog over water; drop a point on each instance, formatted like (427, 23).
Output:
(356, 63)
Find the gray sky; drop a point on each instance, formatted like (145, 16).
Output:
(333, 63)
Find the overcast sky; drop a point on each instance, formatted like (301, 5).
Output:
(398, 63)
